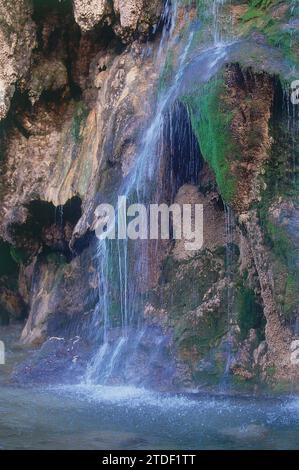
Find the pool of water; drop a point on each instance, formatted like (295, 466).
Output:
(110, 418)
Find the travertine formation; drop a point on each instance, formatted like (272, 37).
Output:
(17, 40)
(127, 17)
(89, 13)
(77, 86)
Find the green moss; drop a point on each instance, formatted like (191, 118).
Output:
(211, 121)
(168, 71)
(18, 255)
(195, 337)
(286, 276)
(282, 245)
(283, 40)
(259, 17)
(281, 185)
(250, 313)
(201, 272)
(207, 335)
(115, 313)
(56, 258)
(79, 118)
(256, 9)
(204, 11)
(271, 371)
(9, 268)
(285, 271)
(8, 264)
(251, 14)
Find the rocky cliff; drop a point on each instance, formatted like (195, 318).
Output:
(78, 85)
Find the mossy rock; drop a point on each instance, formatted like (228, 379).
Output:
(184, 283)
(250, 312)
(211, 120)
(277, 29)
(282, 190)
(9, 265)
(79, 119)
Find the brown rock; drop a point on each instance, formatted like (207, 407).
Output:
(16, 45)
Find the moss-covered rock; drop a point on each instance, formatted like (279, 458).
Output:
(275, 20)
(211, 121)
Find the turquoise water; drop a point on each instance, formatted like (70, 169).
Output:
(109, 418)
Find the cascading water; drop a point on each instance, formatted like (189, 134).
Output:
(114, 257)
(230, 230)
(216, 7)
(292, 128)
(127, 344)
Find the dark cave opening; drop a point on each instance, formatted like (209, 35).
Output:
(48, 228)
(183, 161)
(43, 7)
(65, 40)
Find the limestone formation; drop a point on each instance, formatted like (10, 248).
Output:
(84, 86)
(89, 13)
(16, 45)
(128, 17)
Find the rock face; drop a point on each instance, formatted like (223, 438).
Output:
(16, 45)
(78, 84)
(56, 297)
(89, 13)
(127, 17)
(56, 148)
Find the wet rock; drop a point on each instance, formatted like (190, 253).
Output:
(243, 360)
(58, 361)
(259, 353)
(48, 75)
(250, 130)
(295, 352)
(61, 293)
(12, 306)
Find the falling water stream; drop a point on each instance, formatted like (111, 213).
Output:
(230, 233)
(117, 261)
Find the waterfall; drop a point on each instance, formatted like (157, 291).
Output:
(114, 257)
(117, 322)
(289, 113)
(216, 8)
(230, 226)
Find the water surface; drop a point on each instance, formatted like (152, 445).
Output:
(109, 418)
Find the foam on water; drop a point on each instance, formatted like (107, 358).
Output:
(268, 411)
(292, 406)
(129, 395)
